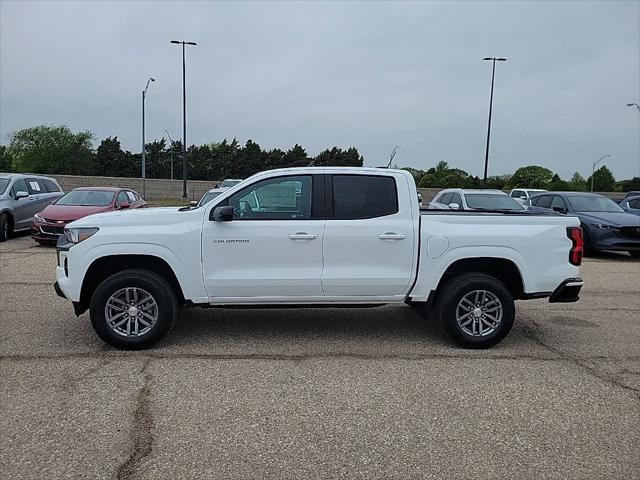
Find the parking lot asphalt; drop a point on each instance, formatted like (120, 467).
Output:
(320, 393)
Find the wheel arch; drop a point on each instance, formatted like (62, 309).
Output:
(103, 267)
(502, 269)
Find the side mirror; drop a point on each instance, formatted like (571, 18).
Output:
(559, 209)
(21, 194)
(124, 205)
(193, 203)
(454, 206)
(523, 197)
(223, 214)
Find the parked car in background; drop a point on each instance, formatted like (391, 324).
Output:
(631, 205)
(48, 225)
(21, 197)
(230, 182)
(605, 224)
(419, 199)
(471, 199)
(208, 196)
(628, 195)
(523, 195)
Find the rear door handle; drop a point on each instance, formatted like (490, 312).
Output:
(302, 236)
(391, 236)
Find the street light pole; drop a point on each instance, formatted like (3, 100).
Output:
(493, 74)
(144, 174)
(593, 170)
(171, 151)
(184, 117)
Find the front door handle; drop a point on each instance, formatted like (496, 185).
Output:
(302, 236)
(391, 236)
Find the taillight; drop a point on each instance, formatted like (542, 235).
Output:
(577, 249)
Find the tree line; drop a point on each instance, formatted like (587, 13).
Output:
(530, 176)
(58, 150)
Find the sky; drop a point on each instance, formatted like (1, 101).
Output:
(371, 75)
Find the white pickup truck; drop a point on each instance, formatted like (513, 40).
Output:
(316, 237)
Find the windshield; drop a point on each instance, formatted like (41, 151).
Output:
(207, 197)
(87, 198)
(4, 183)
(230, 183)
(490, 201)
(588, 203)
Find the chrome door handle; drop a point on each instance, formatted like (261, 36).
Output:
(391, 236)
(302, 236)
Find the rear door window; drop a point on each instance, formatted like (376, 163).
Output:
(363, 196)
(50, 186)
(446, 198)
(35, 186)
(544, 201)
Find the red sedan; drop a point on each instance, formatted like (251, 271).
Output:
(48, 225)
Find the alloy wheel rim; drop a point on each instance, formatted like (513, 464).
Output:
(479, 313)
(131, 312)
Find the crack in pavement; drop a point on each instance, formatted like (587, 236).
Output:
(532, 334)
(141, 436)
(307, 356)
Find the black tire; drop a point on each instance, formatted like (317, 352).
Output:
(5, 227)
(153, 284)
(453, 293)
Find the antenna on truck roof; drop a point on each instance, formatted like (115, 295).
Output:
(393, 154)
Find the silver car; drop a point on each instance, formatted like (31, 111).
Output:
(21, 197)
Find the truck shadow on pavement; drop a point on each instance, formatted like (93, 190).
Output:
(299, 326)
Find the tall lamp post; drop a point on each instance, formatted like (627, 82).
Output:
(493, 74)
(593, 170)
(634, 105)
(144, 164)
(184, 118)
(171, 151)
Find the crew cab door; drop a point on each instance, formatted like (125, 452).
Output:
(272, 249)
(369, 239)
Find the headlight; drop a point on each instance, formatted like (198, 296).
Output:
(77, 235)
(604, 226)
(39, 219)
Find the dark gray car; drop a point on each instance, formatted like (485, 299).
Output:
(21, 197)
(606, 226)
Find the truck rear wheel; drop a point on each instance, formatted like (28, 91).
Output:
(133, 309)
(476, 310)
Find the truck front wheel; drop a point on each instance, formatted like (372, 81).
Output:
(476, 310)
(133, 309)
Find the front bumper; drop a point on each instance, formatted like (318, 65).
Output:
(624, 239)
(47, 232)
(567, 291)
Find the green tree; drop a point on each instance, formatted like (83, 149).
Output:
(577, 183)
(112, 161)
(6, 161)
(531, 176)
(628, 185)
(52, 149)
(603, 180)
(336, 157)
(558, 184)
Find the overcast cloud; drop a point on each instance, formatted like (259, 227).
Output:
(371, 75)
